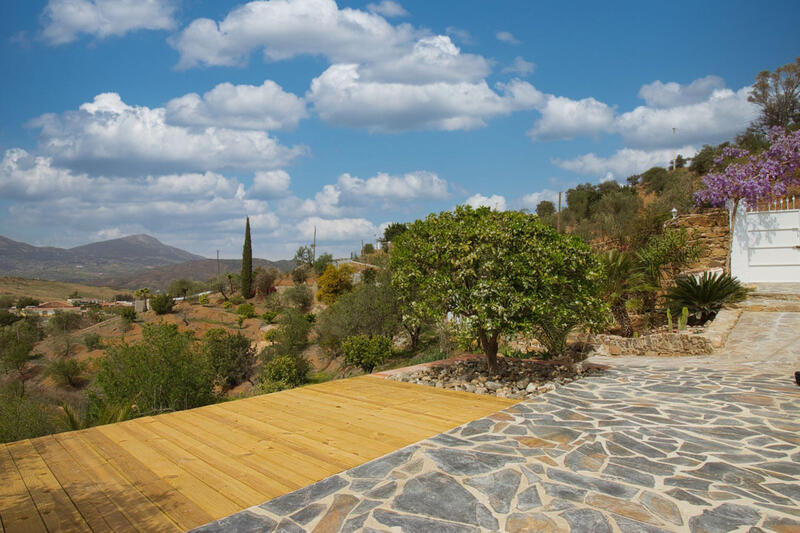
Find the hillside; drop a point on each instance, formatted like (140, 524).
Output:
(90, 262)
(51, 290)
(202, 270)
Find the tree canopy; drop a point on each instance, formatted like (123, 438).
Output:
(246, 278)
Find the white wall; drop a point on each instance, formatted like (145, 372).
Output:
(766, 246)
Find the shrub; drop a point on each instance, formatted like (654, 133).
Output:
(23, 417)
(92, 341)
(269, 316)
(299, 297)
(66, 371)
(283, 372)
(300, 274)
(311, 317)
(333, 283)
(26, 301)
(162, 304)
(246, 311)
(236, 299)
(705, 296)
(127, 313)
(163, 371)
(7, 318)
(271, 335)
(365, 352)
(227, 304)
(62, 322)
(292, 336)
(230, 356)
(123, 297)
(203, 299)
(6, 301)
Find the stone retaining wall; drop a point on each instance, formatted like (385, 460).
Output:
(657, 344)
(708, 228)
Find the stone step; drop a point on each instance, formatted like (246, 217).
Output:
(774, 305)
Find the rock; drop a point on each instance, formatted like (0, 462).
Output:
(492, 385)
(531, 387)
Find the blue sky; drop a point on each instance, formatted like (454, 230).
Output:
(179, 117)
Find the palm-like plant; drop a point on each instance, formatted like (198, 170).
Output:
(705, 296)
(622, 279)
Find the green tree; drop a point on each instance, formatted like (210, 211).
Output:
(777, 94)
(246, 311)
(6, 301)
(181, 288)
(247, 263)
(304, 256)
(321, 263)
(27, 301)
(367, 352)
(230, 355)
(66, 371)
(143, 294)
(300, 274)
(162, 303)
(333, 283)
(368, 249)
(299, 297)
(23, 417)
(622, 279)
(545, 208)
(392, 231)
(283, 371)
(16, 349)
(162, 372)
(264, 281)
(499, 273)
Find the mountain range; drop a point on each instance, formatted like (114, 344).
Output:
(127, 262)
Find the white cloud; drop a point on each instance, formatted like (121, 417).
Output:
(287, 28)
(666, 95)
(563, 118)
(108, 137)
(459, 34)
(339, 229)
(387, 8)
(623, 163)
(507, 37)
(520, 66)
(264, 107)
(530, 201)
(65, 20)
(341, 97)
(495, 201)
(270, 184)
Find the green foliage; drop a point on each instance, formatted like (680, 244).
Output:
(23, 417)
(299, 297)
(227, 305)
(705, 296)
(264, 281)
(269, 316)
(16, 346)
(683, 320)
(230, 356)
(664, 256)
(669, 319)
(292, 333)
(63, 322)
(369, 276)
(622, 279)
(367, 352)
(6, 301)
(66, 371)
(655, 179)
(300, 274)
(310, 318)
(163, 372)
(26, 301)
(246, 277)
(368, 249)
(283, 372)
(7, 318)
(271, 335)
(236, 299)
(321, 263)
(369, 310)
(777, 94)
(203, 299)
(304, 256)
(123, 297)
(703, 161)
(545, 208)
(501, 272)
(246, 311)
(181, 288)
(333, 283)
(92, 341)
(392, 231)
(162, 304)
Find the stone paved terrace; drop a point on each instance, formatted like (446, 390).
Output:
(180, 470)
(637, 449)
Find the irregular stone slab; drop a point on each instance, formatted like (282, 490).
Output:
(468, 463)
(287, 526)
(611, 488)
(528, 499)
(557, 490)
(782, 525)
(380, 468)
(680, 494)
(416, 524)
(437, 495)
(239, 523)
(294, 501)
(631, 510)
(499, 487)
(530, 523)
(337, 512)
(726, 517)
(662, 508)
(644, 465)
(308, 513)
(354, 524)
(634, 477)
(626, 525)
(586, 520)
(383, 492)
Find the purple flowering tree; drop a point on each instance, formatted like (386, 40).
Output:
(752, 177)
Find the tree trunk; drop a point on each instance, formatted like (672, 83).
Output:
(413, 334)
(622, 318)
(489, 345)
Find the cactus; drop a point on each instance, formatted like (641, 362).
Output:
(684, 319)
(669, 320)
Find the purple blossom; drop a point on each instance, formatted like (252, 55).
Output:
(754, 177)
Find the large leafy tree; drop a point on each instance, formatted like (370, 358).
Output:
(333, 283)
(246, 278)
(499, 273)
(777, 93)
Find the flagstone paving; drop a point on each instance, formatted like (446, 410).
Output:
(640, 448)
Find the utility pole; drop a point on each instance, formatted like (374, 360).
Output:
(314, 246)
(219, 278)
(558, 213)
(674, 149)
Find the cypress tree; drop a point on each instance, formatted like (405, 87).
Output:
(247, 263)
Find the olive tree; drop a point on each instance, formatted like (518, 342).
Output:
(499, 273)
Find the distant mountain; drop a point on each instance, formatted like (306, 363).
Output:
(202, 270)
(90, 262)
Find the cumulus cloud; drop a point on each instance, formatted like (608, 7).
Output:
(530, 201)
(337, 229)
(665, 95)
(109, 137)
(264, 107)
(270, 184)
(520, 66)
(459, 34)
(340, 96)
(623, 163)
(65, 20)
(495, 201)
(287, 28)
(388, 9)
(563, 118)
(507, 37)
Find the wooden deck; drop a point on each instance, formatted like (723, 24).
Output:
(180, 470)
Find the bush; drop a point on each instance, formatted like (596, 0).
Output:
(26, 301)
(269, 316)
(6, 301)
(311, 317)
(271, 335)
(164, 371)
(162, 304)
(705, 296)
(299, 297)
(333, 283)
(236, 299)
(203, 299)
(66, 371)
(283, 372)
(246, 311)
(62, 322)
(123, 297)
(92, 341)
(230, 356)
(7, 317)
(365, 352)
(227, 304)
(23, 417)
(292, 336)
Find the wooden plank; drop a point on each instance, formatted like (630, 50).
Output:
(56, 509)
(90, 500)
(178, 507)
(17, 510)
(138, 509)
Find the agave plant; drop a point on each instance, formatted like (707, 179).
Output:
(622, 278)
(705, 296)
